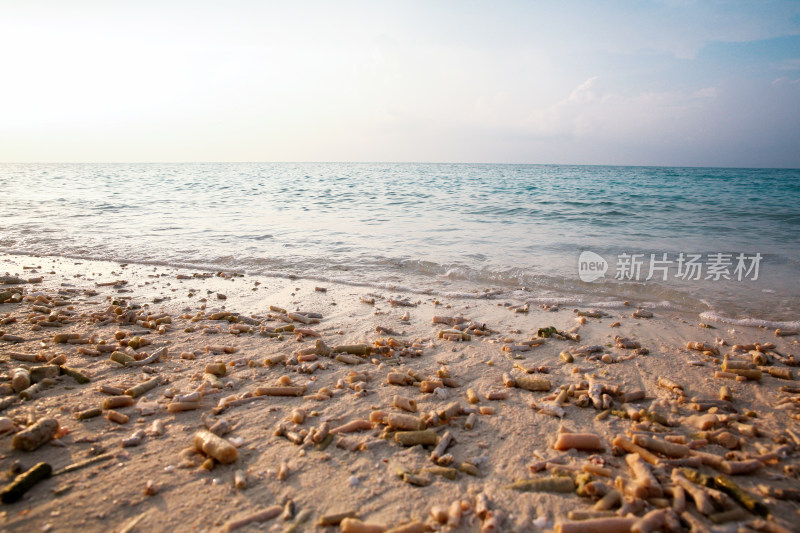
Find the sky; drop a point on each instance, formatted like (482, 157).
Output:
(637, 82)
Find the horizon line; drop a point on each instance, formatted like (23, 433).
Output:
(732, 167)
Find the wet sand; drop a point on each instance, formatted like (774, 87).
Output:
(195, 320)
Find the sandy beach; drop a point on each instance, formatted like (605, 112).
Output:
(400, 267)
(306, 402)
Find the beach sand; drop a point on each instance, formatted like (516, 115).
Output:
(162, 485)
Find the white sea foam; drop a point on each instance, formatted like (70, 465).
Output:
(749, 322)
(608, 304)
(414, 283)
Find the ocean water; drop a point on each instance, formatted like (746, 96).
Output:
(502, 231)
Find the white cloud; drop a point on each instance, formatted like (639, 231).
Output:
(786, 82)
(593, 112)
(706, 92)
(586, 92)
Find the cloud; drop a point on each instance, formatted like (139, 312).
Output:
(684, 28)
(706, 92)
(586, 92)
(592, 110)
(731, 124)
(786, 82)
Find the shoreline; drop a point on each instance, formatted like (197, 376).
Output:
(501, 447)
(690, 303)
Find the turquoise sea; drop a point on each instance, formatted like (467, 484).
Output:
(501, 231)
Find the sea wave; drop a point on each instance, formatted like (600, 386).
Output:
(513, 231)
(750, 322)
(430, 279)
(419, 277)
